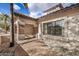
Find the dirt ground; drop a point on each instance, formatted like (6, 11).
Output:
(36, 47)
(33, 47)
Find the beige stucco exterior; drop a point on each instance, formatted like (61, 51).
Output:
(61, 13)
(27, 25)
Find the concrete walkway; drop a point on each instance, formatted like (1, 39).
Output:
(27, 47)
(34, 47)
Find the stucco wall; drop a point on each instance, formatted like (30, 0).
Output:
(28, 21)
(28, 29)
(26, 25)
(61, 13)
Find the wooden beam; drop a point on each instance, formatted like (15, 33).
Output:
(26, 5)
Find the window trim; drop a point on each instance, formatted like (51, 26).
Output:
(55, 20)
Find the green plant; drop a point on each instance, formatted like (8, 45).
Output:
(4, 22)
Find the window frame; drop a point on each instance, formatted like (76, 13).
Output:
(55, 29)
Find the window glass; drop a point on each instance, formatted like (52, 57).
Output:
(53, 28)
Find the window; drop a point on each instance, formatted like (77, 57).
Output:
(53, 28)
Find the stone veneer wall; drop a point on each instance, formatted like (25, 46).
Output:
(71, 30)
(70, 38)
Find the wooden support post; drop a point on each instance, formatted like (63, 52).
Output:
(12, 25)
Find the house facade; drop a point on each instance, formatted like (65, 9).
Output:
(25, 26)
(62, 25)
(59, 30)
